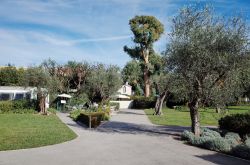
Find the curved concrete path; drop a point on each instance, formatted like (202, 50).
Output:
(128, 139)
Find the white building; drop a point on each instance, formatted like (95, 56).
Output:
(124, 92)
(123, 96)
(18, 92)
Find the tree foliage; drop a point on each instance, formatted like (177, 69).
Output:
(10, 75)
(205, 50)
(102, 82)
(146, 30)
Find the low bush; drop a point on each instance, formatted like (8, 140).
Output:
(209, 139)
(187, 136)
(205, 132)
(141, 102)
(17, 106)
(242, 151)
(75, 113)
(218, 144)
(52, 110)
(6, 106)
(233, 138)
(239, 123)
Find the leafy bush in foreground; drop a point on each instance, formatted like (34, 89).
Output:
(218, 144)
(209, 139)
(239, 123)
(205, 132)
(17, 106)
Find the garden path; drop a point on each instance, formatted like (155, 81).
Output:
(128, 139)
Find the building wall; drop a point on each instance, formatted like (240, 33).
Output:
(125, 90)
(124, 104)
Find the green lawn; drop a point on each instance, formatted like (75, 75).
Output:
(208, 117)
(19, 131)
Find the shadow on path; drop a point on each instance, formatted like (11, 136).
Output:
(219, 159)
(131, 128)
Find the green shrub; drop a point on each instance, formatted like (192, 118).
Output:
(200, 141)
(209, 139)
(218, 144)
(117, 105)
(52, 110)
(205, 132)
(233, 138)
(239, 123)
(20, 104)
(141, 102)
(242, 151)
(17, 106)
(75, 113)
(106, 117)
(187, 135)
(6, 106)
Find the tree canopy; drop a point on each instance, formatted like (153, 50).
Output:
(205, 50)
(146, 30)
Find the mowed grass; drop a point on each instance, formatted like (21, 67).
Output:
(208, 117)
(19, 131)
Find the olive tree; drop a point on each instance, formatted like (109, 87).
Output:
(204, 50)
(146, 30)
(38, 77)
(102, 82)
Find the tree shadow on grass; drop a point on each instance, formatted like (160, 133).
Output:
(222, 159)
(131, 128)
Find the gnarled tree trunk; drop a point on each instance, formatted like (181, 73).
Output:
(195, 117)
(194, 108)
(41, 102)
(159, 102)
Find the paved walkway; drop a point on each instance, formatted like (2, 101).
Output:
(128, 139)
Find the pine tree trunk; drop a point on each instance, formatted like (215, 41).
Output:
(146, 83)
(146, 74)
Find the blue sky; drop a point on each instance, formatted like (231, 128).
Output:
(84, 30)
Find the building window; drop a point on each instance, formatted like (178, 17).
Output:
(5, 96)
(19, 96)
(124, 89)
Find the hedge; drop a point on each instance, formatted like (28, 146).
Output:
(141, 102)
(239, 123)
(231, 143)
(17, 106)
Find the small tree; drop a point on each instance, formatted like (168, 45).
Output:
(132, 74)
(102, 82)
(146, 30)
(204, 50)
(45, 84)
(10, 75)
